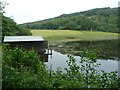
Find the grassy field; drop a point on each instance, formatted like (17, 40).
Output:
(61, 36)
(64, 41)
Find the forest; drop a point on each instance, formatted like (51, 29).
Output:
(98, 19)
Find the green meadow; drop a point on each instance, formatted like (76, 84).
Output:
(62, 36)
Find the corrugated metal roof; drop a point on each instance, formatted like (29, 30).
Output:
(22, 38)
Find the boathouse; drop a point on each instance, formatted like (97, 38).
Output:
(29, 42)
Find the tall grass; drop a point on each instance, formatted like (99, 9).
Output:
(53, 36)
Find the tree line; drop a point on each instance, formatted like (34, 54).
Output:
(8, 26)
(99, 19)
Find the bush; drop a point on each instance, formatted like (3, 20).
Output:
(10, 28)
(84, 74)
(24, 69)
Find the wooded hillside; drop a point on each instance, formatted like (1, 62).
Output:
(100, 19)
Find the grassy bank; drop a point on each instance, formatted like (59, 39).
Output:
(61, 36)
(72, 42)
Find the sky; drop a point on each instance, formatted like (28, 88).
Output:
(23, 11)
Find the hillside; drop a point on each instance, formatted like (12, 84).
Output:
(100, 19)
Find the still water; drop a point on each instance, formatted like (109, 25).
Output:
(59, 60)
(107, 57)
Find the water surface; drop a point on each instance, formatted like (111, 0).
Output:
(59, 60)
(107, 56)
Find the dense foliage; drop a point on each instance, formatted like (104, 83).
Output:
(23, 69)
(100, 19)
(10, 28)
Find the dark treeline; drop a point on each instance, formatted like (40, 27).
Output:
(100, 19)
(8, 26)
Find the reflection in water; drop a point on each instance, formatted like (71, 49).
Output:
(44, 57)
(59, 59)
(108, 54)
(108, 49)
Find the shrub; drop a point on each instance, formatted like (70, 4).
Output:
(24, 69)
(84, 74)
